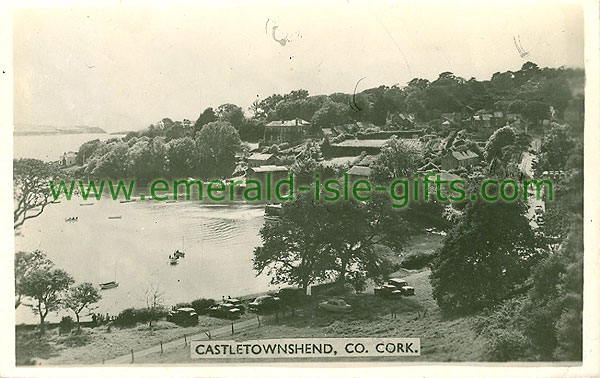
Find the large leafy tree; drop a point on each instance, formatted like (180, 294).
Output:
(207, 116)
(476, 268)
(504, 136)
(26, 263)
(216, 145)
(31, 185)
(557, 147)
(45, 287)
(81, 297)
(398, 159)
(231, 113)
(181, 162)
(318, 239)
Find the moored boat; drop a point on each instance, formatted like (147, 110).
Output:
(109, 285)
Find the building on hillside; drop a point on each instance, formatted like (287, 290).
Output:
(362, 168)
(258, 159)
(67, 159)
(454, 118)
(286, 131)
(277, 172)
(454, 159)
(354, 147)
(359, 172)
(429, 167)
(400, 119)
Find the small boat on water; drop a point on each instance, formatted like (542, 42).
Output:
(115, 217)
(86, 204)
(127, 200)
(110, 284)
(170, 201)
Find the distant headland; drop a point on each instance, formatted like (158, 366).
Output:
(23, 129)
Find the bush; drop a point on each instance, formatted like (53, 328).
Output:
(131, 316)
(417, 260)
(202, 304)
(127, 317)
(508, 345)
(66, 325)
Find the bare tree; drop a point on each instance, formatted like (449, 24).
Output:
(154, 304)
(31, 185)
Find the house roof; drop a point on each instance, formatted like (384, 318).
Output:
(361, 143)
(463, 155)
(270, 168)
(259, 156)
(429, 167)
(367, 160)
(358, 170)
(293, 122)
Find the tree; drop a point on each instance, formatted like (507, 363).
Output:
(86, 150)
(45, 287)
(397, 159)
(231, 113)
(316, 240)
(293, 250)
(216, 145)
(146, 159)
(330, 114)
(154, 304)
(81, 297)
(31, 186)
(557, 92)
(557, 147)
(207, 116)
(535, 111)
(476, 268)
(504, 136)
(25, 263)
(181, 159)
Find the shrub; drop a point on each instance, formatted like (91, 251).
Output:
(417, 260)
(508, 345)
(202, 304)
(66, 325)
(127, 317)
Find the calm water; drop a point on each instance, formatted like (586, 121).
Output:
(51, 147)
(219, 243)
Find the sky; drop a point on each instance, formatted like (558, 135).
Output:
(123, 68)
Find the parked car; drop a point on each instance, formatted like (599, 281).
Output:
(224, 310)
(395, 287)
(290, 294)
(236, 303)
(334, 305)
(264, 303)
(183, 316)
(539, 210)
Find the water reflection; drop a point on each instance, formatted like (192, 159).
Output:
(219, 241)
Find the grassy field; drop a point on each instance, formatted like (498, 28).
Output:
(442, 338)
(94, 345)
